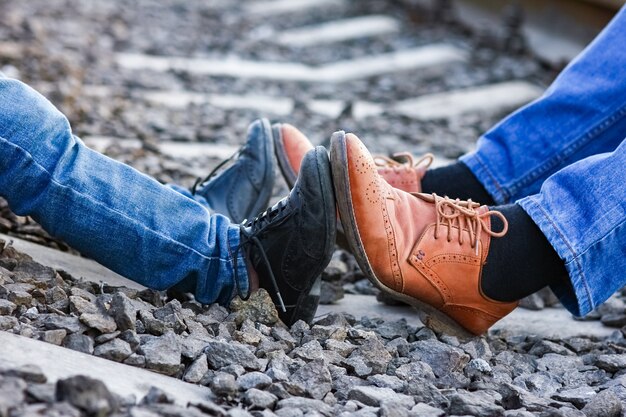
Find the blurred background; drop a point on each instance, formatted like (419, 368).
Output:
(170, 86)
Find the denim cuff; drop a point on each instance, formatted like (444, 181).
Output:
(485, 177)
(239, 263)
(575, 294)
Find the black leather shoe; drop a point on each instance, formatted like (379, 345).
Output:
(290, 244)
(244, 189)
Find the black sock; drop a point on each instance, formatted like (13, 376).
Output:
(521, 262)
(455, 181)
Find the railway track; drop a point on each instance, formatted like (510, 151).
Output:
(170, 86)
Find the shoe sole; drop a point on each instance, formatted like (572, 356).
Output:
(306, 307)
(281, 157)
(265, 194)
(430, 316)
(290, 177)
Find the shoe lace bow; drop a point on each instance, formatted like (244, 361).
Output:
(403, 160)
(465, 215)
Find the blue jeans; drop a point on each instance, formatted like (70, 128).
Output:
(125, 220)
(563, 159)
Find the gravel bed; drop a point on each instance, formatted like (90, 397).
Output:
(336, 366)
(255, 365)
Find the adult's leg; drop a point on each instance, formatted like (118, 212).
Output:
(583, 113)
(582, 211)
(123, 219)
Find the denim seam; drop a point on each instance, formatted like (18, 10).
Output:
(235, 264)
(54, 181)
(575, 257)
(574, 146)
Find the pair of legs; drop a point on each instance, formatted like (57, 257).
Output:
(563, 160)
(560, 158)
(163, 236)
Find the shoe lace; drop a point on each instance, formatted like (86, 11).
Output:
(466, 216)
(404, 160)
(201, 181)
(249, 236)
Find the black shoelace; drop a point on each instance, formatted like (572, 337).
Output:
(249, 236)
(201, 181)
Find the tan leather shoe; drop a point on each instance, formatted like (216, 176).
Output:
(400, 171)
(423, 249)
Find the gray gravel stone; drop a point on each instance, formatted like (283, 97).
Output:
(6, 307)
(370, 357)
(579, 396)
(545, 346)
(415, 371)
(314, 377)
(136, 360)
(29, 373)
(221, 354)
(425, 410)
(107, 337)
(514, 397)
(238, 412)
(342, 348)
(305, 405)
(79, 342)
(309, 351)
(115, 350)
(259, 308)
(131, 337)
(542, 384)
(611, 363)
(162, 353)
(388, 381)
(157, 396)
(80, 305)
(68, 323)
(479, 403)
(192, 346)
(443, 359)
(392, 410)
(123, 311)
(89, 395)
(604, 404)
(224, 384)
(476, 367)
(151, 325)
(8, 322)
(259, 400)
(253, 380)
(54, 336)
(196, 370)
(375, 396)
(20, 297)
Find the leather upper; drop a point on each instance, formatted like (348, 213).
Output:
(291, 146)
(243, 189)
(412, 253)
(297, 235)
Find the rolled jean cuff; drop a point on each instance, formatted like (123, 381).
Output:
(575, 294)
(485, 177)
(238, 263)
(218, 284)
